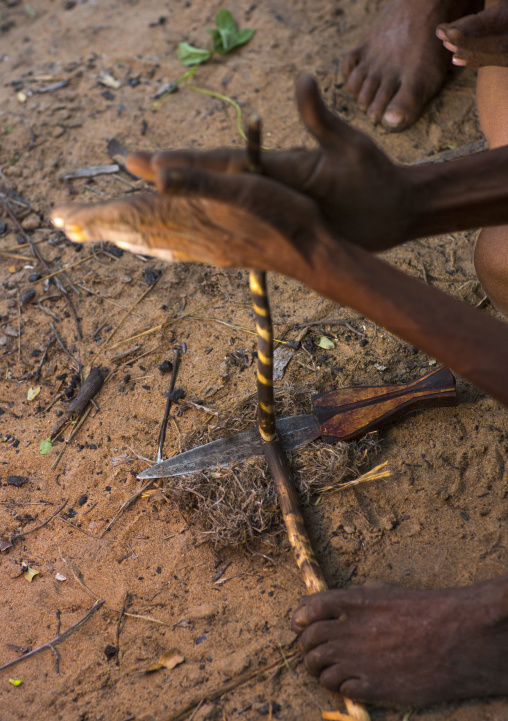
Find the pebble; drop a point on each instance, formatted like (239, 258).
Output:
(34, 276)
(32, 222)
(17, 481)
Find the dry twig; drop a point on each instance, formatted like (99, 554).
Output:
(58, 638)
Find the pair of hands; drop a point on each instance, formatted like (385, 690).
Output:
(347, 184)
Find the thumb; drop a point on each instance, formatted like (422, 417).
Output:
(328, 129)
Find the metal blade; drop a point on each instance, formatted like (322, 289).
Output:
(294, 432)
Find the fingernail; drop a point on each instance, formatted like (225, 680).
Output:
(450, 47)
(459, 61)
(393, 118)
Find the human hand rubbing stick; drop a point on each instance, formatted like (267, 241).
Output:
(380, 643)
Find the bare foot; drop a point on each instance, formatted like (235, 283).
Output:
(400, 65)
(478, 40)
(388, 645)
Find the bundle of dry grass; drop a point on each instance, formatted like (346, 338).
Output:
(234, 504)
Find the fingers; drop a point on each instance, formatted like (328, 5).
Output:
(222, 160)
(288, 211)
(328, 129)
(140, 164)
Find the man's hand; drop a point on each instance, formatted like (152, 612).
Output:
(360, 193)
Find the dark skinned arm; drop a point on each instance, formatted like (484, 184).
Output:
(238, 219)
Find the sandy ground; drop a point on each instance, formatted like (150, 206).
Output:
(439, 520)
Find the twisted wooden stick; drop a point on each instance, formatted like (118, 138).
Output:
(276, 458)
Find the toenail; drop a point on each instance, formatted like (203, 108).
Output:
(393, 118)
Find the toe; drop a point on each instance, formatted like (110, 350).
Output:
(405, 107)
(324, 606)
(324, 656)
(318, 635)
(358, 689)
(385, 93)
(356, 79)
(349, 62)
(368, 91)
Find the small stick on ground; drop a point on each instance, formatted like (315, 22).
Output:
(125, 316)
(16, 536)
(72, 435)
(226, 688)
(67, 352)
(125, 505)
(164, 425)
(37, 254)
(90, 387)
(58, 638)
(118, 628)
(161, 326)
(41, 362)
(19, 328)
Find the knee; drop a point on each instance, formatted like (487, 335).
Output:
(491, 263)
(492, 104)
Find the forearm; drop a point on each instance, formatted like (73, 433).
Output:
(458, 195)
(467, 340)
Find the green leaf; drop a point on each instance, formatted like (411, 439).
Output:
(217, 40)
(326, 343)
(244, 36)
(15, 681)
(45, 447)
(225, 21)
(189, 55)
(227, 36)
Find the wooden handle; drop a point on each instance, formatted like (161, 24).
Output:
(349, 413)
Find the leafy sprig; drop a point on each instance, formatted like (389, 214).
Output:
(226, 36)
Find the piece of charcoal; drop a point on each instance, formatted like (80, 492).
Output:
(27, 296)
(82, 499)
(269, 708)
(151, 275)
(17, 481)
(176, 395)
(115, 250)
(165, 367)
(110, 651)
